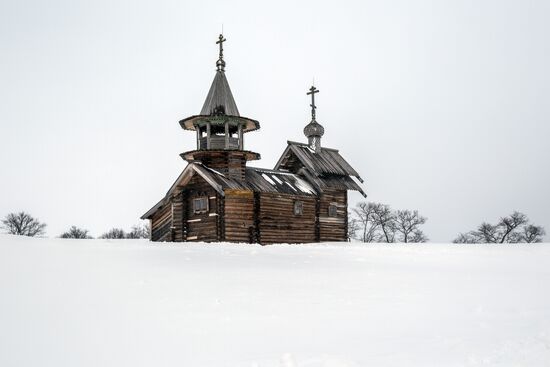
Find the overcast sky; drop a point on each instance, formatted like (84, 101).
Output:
(442, 106)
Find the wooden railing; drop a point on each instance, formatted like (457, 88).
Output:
(219, 142)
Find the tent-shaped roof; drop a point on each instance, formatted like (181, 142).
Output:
(219, 100)
(219, 105)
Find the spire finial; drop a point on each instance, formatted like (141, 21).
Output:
(220, 64)
(312, 92)
(314, 131)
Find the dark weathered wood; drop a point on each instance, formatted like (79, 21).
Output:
(257, 234)
(247, 204)
(333, 228)
(161, 223)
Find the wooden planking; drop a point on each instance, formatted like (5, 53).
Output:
(203, 226)
(161, 223)
(177, 218)
(239, 215)
(277, 222)
(325, 161)
(333, 228)
(230, 163)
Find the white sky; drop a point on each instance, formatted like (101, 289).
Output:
(442, 106)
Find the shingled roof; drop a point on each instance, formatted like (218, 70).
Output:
(257, 179)
(220, 99)
(325, 169)
(219, 104)
(327, 161)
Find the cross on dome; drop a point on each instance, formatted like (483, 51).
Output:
(220, 64)
(312, 92)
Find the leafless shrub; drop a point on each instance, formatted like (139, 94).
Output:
(114, 233)
(512, 229)
(23, 224)
(75, 232)
(139, 231)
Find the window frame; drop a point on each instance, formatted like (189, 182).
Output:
(198, 207)
(332, 210)
(298, 208)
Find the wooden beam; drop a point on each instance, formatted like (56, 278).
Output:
(198, 137)
(241, 136)
(208, 135)
(226, 135)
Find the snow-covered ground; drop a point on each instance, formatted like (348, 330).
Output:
(134, 303)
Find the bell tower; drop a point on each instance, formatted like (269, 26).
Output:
(220, 128)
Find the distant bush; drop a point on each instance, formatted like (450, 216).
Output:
(139, 231)
(23, 224)
(114, 233)
(512, 229)
(75, 232)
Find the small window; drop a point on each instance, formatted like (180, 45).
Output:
(200, 205)
(332, 210)
(298, 208)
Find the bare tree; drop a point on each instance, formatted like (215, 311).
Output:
(512, 229)
(379, 223)
(533, 234)
(365, 216)
(508, 225)
(114, 233)
(487, 233)
(139, 231)
(418, 237)
(353, 227)
(407, 224)
(23, 224)
(75, 232)
(465, 238)
(385, 219)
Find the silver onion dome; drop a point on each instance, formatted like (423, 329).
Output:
(314, 129)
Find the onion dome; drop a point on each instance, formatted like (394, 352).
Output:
(314, 129)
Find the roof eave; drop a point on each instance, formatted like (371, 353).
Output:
(191, 122)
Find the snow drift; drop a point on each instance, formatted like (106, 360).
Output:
(136, 303)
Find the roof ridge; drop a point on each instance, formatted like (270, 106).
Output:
(269, 170)
(290, 142)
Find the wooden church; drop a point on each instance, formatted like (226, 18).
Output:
(218, 197)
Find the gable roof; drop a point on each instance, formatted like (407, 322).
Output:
(324, 169)
(185, 176)
(218, 96)
(257, 179)
(327, 161)
(266, 180)
(339, 182)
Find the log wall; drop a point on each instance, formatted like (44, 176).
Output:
(239, 216)
(250, 217)
(276, 220)
(232, 164)
(161, 223)
(203, 226)
(333, 228)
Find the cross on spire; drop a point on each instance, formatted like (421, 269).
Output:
(312, 92)
(220, 64)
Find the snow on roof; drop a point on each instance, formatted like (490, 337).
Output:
(266, 180)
